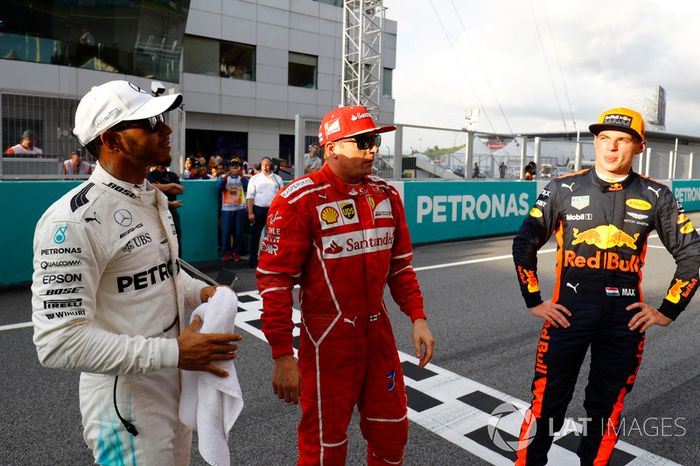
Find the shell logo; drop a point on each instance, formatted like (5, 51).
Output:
(329, 215)
(535, 212)
(687, 228)
(681, 218)
(638, 204)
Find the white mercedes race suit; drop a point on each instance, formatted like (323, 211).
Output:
(109, 300)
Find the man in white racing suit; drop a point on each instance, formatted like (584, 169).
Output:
(108, 296)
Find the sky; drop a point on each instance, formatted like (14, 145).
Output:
(544, 64)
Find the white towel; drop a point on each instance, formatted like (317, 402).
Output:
(211, 404)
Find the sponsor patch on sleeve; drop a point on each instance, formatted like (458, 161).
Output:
(297, 185)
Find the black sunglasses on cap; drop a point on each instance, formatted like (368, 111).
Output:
(365, 141)
(151, 123)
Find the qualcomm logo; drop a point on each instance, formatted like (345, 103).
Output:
(442, 209)
(516, 416)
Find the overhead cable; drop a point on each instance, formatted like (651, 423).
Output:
(464, 69)
(546, 62)
(481, 67)
(561, 73)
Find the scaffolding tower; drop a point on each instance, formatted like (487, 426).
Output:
(363, 24)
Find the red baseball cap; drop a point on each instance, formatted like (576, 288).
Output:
(346, 122)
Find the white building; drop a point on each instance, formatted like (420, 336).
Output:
(246, 68)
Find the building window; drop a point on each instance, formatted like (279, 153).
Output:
(331, 2)
(237, 61)
(387, 82)
(302, 70)
(136, 37)
(201, 56)
(206, 142)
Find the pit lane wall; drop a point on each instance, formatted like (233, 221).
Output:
(24, 202)
(435, 211)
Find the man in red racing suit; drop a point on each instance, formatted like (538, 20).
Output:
(601, 219)
(342, 236)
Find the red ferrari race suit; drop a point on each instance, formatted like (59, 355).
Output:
(342, 244)
(601, 231)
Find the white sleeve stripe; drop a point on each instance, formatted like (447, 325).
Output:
(269, 272)
(401, 270)
(403, 256)
(325, 186)
(276, 288)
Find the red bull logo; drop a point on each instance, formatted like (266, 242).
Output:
(529, 278)
(676, 291)
(605, 237)
(609, 261)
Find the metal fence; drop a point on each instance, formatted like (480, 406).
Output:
(411, 152)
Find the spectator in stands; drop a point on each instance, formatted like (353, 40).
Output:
(189, 169)
(217, 171)
(502, 168)
(203, 173)
(76, 165)
(312, 159)
(232, 187)
(26, 145)
(169, 184)
(476, 172)
(530, 171)
(215, 160)
(201, 160)
(261, 190)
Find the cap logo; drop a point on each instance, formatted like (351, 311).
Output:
(333, 127)
(359, 116)
(137, 89)
(618, 120)
(110, 115)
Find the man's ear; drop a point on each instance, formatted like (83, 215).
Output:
(111, 140)
(642, 147)
(329, 149)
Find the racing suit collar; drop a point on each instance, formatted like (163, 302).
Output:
(339, 185)
(606, 186)
(128, 191)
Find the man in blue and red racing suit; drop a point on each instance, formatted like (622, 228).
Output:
(342, 236)
(601, 219)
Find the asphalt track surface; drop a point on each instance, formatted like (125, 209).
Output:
(485, 337)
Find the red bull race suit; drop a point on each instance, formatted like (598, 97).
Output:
(601, 231)
(342, 244)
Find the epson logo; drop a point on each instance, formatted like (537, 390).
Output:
(576, 217)
(62, 278)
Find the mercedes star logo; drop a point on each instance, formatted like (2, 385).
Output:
(123, 217)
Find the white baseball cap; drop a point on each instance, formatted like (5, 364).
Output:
(115, 101)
